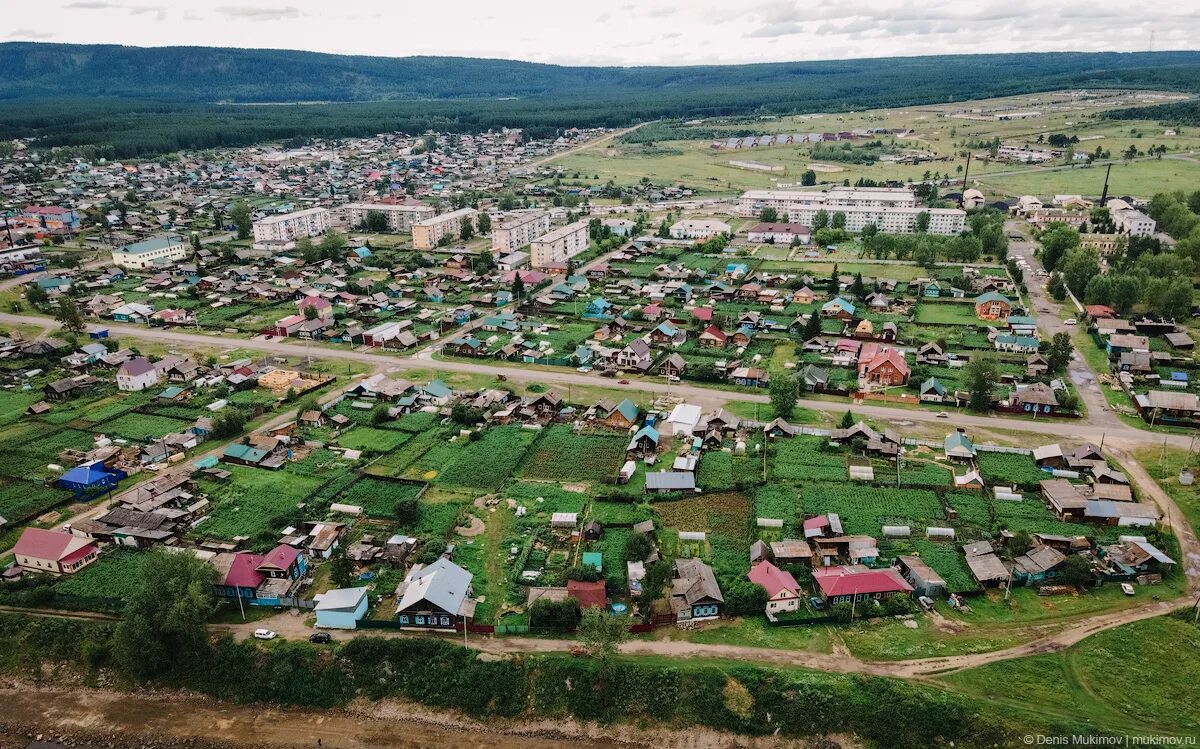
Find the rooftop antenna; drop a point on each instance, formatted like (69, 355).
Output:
(1104, 195)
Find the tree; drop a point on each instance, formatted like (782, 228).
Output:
(768, 215)
(820, 220)
(1075, 571)
(341, 571)
(812, 326)
(638, 546)
(68, 315)
(332, 244)
(869, 231)
(784, 394)
(550, 614)
(240, 215)
(744, 598)
(922, 223)
(485, 223)
(1056, 241)
(858, 289)
(1176, 302)
(837, 220)
(809, 178)
(1059, 354)
(1080, 266)
(847, 420)
(163, 631)
(231, 421)
(1057, 288)
(602, 633)
(518, 286)
(1020, 543)
(664, 230)
(376, 221)
(466, 228)
(407, 511)
(36, 295)
(982, 377)
(196, 246)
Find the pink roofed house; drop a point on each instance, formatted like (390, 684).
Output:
(54, 552)
(783, 592)
(321, 306)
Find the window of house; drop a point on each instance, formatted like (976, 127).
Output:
(404, 618)
(420, 620)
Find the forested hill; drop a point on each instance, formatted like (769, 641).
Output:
(207, 75)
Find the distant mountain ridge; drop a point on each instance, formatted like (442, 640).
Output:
(44, 71)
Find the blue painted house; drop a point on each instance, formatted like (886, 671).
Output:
(598, 307)
(341, 608)
(258, 579)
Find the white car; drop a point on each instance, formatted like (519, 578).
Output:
(1127, 589)
(264, 634)
(1069, 321)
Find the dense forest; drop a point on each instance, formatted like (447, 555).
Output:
(127, 101)
(1177, 113)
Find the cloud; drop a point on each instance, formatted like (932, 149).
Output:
(255, 13)
(159, 12)
(91, 5)
(29, 34)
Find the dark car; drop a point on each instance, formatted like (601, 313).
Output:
(320, 638)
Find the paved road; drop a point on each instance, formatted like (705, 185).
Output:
(1083, 429)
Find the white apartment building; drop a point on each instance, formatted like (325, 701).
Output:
(154, 252)
(400, 216)
(518, 231)
(558, 245)
(947, 221)
(1130, 220)
(753, 202)
(311, 222)
(892, 210)
(428, 233)
(700, 230)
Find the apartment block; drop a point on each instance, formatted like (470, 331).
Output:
(428, 233)
(700, 230)
(558, 245)
(286, 227)
(518, 231)
(753, 202)
(400, 216)
(947, 221)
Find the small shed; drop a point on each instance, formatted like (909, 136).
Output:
(341, 608)
(564, 520)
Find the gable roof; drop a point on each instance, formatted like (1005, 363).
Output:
(772, 579)
(443, 584)
(44, 544)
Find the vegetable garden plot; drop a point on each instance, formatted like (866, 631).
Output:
(778, 502)
(21, 500)
(140, 427)
(715, 471)
(251, 501)
(801, 459)
(490, 460)
(865, 510)
(562, 455)
(1007, 468)
(114, 575)
(1031, 516)
(378, 498)
(618, 513)
(371, 439)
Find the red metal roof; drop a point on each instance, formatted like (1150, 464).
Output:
(281, 557)
(243, 573)
(773, 579)
(78, 554)
(43, 544)
(844, 581)
(588, 594)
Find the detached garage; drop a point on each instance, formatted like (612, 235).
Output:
(341, 608)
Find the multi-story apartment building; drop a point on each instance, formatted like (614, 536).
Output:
(558, 245)
(286, 227)
(518, 231)
(892, 210)
(753, 202)
(155, 252)
(400, 216)
(428, 233)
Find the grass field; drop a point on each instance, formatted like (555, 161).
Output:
(252, 499)
(372, 439)
(1136, 678)
(1138, 178)
(947, 314)
(140, 427)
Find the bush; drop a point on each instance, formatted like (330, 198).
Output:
(561, 615)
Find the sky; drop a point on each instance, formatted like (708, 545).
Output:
(645, 32)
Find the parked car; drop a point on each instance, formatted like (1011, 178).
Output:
(320, 638)
(622, 382)
(816, 603)
(943, 415)
(1127, 589)
(926, 602)
(1069, 321)
(264, 634)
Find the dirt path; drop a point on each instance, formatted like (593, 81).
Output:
(111, 718)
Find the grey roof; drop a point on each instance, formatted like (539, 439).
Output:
(1040, 559)
(341, 599)
(670, 480)
(695, 581)
(443, 583)
(985, 567)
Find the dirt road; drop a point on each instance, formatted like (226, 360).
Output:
(107, 718)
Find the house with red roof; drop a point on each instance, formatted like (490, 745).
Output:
(783, 592)
(320, 306)
(703, 314)
(260, 579)
(883, 368)
(54, 552)
(854, 582)
(712, 337)
(588, 594)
